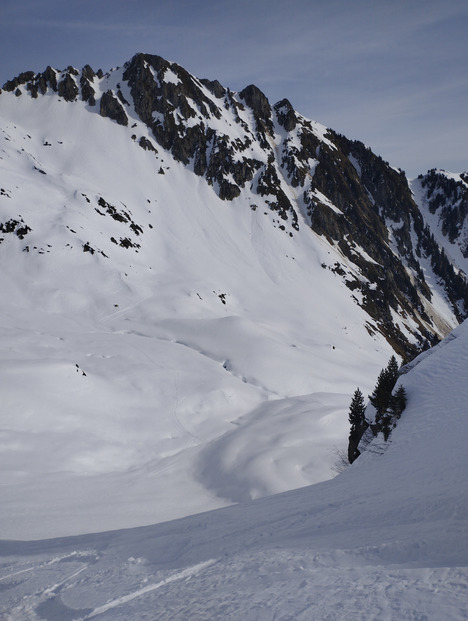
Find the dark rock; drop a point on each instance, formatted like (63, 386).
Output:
(285, 114)
(122, 98)
(147, 145)
(228, 191)
(18, 227)
(87, 91)
(448, 198)
(67, 88)
(47, 78)
(257, 101)
(24, 77)
(214, 87)
(88, 73)
(33, 89)
(110, 107)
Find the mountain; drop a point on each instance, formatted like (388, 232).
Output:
(386, 539)
(300, 172)
(194, 282)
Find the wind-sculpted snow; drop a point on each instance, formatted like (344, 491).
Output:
(386, 539)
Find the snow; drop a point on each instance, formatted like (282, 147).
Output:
(355, 163)
(147, 389)
(171, 77)
(325, 201)
(386, 539)
(135, 370)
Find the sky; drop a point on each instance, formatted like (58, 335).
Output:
(391, 74)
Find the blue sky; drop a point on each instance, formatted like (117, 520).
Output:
(392, 74)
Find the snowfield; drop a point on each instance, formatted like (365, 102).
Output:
(175, 374)
(387, 539)
(210, 361)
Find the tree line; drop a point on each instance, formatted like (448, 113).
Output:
(388, 408)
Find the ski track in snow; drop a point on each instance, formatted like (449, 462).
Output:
(267, 585)
(186, 573)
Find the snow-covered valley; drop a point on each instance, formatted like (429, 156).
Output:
(386, 539)
(176, 371)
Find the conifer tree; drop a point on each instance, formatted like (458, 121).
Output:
(386, 381)
(358, 424)
(393, 370)
(356, 410)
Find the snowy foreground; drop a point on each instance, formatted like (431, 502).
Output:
(386, 539)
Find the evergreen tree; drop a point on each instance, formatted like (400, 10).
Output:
(380, 395)
(358, 424)
(393, 370)
(356, 410)
(386, 381)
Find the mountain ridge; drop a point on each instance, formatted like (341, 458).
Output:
(192, 337)
(304, 172)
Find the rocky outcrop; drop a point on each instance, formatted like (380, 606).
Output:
(87, 91)
(111, 107)
(215, 87)
(67, 87)
(261, 109)
(285, 115)
(47, 79)
(21, 79)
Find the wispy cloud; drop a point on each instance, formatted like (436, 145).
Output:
(355, 65)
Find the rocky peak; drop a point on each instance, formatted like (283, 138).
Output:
(22, 78)
(67, 87)
(285, 114)
(214, 87)
(256, 100)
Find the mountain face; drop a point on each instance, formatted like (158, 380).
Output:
(303, 173)
(193, 284)
(443, 197)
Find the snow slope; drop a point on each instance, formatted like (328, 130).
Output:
(385, 540)
(195, 355)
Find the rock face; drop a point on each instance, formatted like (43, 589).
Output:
(111, 107)
(445, 195)
(304, 174)
(87, 91)
(67, 87)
